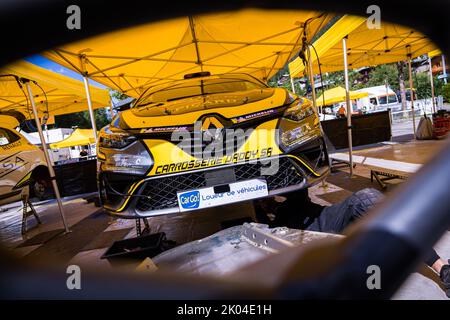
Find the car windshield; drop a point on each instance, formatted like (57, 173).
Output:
(392, 99)
(181, 89)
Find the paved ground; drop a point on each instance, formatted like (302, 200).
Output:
(405, 127)
(402, 128)
(417, 152)
(93, 231)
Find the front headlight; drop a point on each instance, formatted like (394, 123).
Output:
(117, 139)
(133, 159)
(297, 135)
(298, 113)
(298, 125)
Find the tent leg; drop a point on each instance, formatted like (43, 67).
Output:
(292, 85)
(386, 83)
(411, 88)
(47, 157)
(433, 103)
(111, 110)
(349, 107)
(444, 69)
(311, 80)
(91, 110)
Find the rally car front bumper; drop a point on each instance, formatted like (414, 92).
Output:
(135, 197)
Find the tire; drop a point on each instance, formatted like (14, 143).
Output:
(40, 186)
(38, 189)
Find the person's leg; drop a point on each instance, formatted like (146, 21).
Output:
(441, 268)
(299, 212)
(433, 261)
(335, 218)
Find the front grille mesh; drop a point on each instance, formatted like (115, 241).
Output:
(163, 191)
(211, 146)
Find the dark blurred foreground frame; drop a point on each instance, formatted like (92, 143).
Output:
(395, 238)
(33, 26)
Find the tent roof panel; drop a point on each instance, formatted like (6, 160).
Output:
(79, 137)
(243, 41)
(366, 47)
(55, 92)
(338, 94)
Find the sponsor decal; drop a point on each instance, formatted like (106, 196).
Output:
(204, 163)
(13, 164)
(11, 145)
(189, 200)
(24, 181)
(207, 197)
(254, 115)
(211, 121)
(163, 129)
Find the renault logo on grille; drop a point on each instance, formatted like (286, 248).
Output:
(211, 123)
(212, 127)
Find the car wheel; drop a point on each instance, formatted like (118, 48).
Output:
(39, 187)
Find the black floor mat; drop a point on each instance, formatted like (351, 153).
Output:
(66, 246)
(41, 238)
(106, 239)
(356, 183)
(335, 197)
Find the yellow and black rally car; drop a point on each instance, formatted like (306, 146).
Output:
(22, 164)
(205, 141)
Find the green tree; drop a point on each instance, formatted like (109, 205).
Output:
(384, 72)
(446, 92)
(422, 85)
(82, 119)
(118, 95)
(101, 118)
(334, 79)
(438, 86)
(72, 119)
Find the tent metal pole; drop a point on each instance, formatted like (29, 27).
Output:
(292, 85)
(444, 69)
(411, 88)
(311, 80)
(48, 140)
(111, 110)
(387, 92)
(91, 110)
(47, 156)
(433, 102)
(349, 106)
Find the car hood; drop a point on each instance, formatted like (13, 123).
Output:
(186, 111)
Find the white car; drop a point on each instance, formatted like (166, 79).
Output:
(22, 164)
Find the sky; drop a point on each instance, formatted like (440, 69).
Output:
(52, 66)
